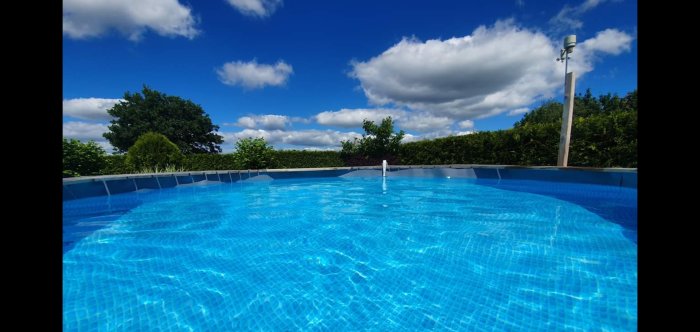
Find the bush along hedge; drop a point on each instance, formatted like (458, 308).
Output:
(379, 142)
(153, 151)
(254, 153)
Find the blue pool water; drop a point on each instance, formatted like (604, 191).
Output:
(353, 254)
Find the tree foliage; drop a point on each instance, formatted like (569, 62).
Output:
(604, 134)
(254, 153)
(153, 151)
(548, 112)
(82, 158)
(181, 121)
(379, 142)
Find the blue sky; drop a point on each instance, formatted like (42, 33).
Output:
(304, 74)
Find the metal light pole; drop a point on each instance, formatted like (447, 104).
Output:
(568, 112)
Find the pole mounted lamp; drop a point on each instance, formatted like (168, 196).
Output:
(568, 112)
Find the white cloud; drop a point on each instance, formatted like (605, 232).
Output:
(609, 41)
(568, 17)
(300, 119)
(435, 134)
(89, 108)
(466, 77)
(84, 130)
(269, 121)
(350, 118)
(518, 111)
(423, 122)
(466, 124)
(491, 71)
(259, 8)
(252, 75)
(321, 139)
(92, 18)
(407, 138)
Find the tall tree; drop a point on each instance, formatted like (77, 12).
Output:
(81, 159)
(181, 121)
(379, 142)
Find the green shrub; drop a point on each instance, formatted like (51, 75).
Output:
(153, 151)
(82, 158)
(254, 153)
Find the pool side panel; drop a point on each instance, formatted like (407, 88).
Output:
(629, 180)
(363, 173)
(74, 188)
(167, 181)
(488, 173)
(87, 189)
(147, 183)
(185, 179)
(467, 173)
(306, 174)
(121, 186)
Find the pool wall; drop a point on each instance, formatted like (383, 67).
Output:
(89, 186)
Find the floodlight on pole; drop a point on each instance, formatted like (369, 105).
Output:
(568, 112)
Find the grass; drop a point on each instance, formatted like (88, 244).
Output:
(166, 169)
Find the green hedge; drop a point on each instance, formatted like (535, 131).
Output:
(601, 140)
(115, 164)
(608, 140)
(210, 162)
(605, 140)
(307, 159)
(529, 145)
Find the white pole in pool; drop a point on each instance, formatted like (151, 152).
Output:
(384, 168)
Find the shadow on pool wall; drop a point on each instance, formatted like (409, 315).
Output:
(618, 202)
(614, 197)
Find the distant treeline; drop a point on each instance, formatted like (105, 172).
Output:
(604, 134)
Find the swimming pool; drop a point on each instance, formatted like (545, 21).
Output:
(354, 254)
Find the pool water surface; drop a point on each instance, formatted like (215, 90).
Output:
(353, 254)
